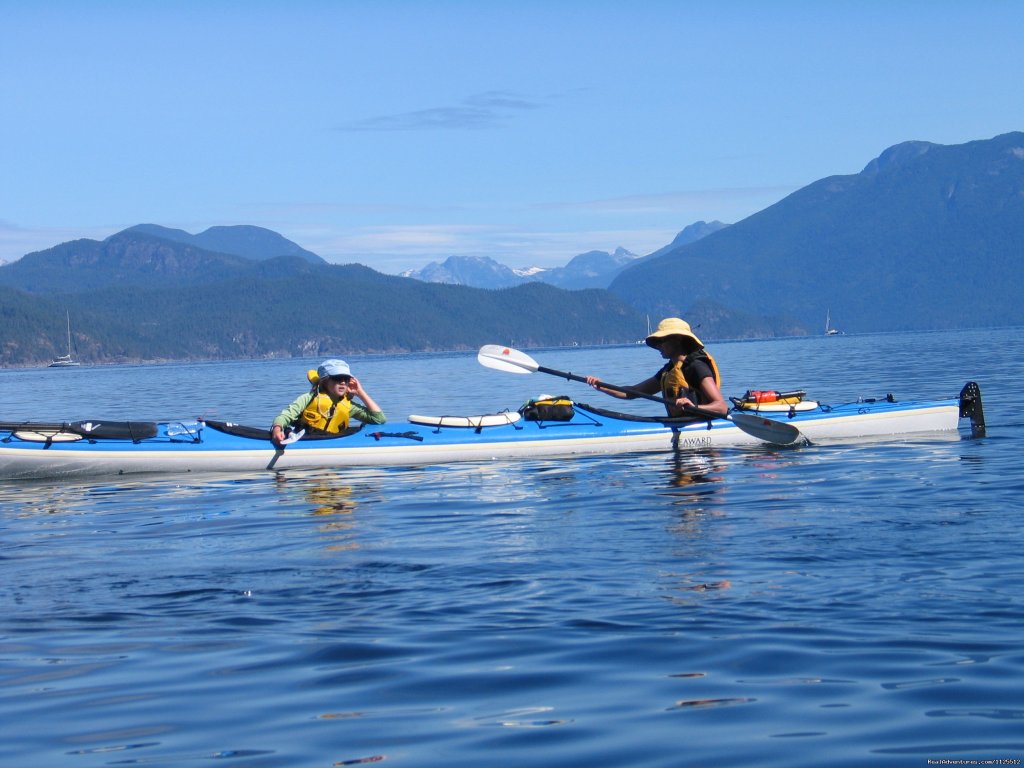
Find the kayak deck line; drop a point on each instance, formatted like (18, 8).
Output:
(35, 450)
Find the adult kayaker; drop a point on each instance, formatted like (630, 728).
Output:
(328, 406)
(689, 378)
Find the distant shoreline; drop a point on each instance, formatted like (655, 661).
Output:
(362, 355)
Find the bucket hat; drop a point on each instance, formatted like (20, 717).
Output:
(330, 368)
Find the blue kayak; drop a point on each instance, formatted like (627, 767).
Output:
(89, 448)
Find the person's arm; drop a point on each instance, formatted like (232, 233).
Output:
(647, 386)
(289, 416)
(369, 412)
(713, 399)
(365, 415)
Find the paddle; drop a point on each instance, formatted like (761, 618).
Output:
(513, 361)
(123, 430)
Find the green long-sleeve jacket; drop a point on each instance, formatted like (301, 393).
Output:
(360, 412)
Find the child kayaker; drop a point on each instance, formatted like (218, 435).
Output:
(690, 377)
(328, 406)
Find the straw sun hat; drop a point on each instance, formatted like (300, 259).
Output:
(672, 326)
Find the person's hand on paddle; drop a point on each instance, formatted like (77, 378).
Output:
(643, 389)
(685, 402)
(596, 384)
(277, 435)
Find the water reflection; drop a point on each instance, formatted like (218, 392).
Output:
(696, 484)
(697, 491)
(324, 496)
(688, 468)
(53, 497)
(771, 463)
(15, 502)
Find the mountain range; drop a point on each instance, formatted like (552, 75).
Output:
(593, 269)
(240, 240)
(138, 296)
(925, 236)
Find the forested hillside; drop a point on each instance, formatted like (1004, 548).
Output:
(926, 236)
(139, 297)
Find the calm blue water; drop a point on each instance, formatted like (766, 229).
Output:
(840, 605)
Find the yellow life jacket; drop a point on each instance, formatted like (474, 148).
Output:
(674, 384)
(326, 415)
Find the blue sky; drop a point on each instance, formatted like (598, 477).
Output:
(398, 133)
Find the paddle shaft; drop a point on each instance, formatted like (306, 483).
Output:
(32, 426)
(690, 409)
(129, 430)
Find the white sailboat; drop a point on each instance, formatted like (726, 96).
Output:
(65, 361)
(829, 330)
(644, 339)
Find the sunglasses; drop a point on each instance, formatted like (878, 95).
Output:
(339, 379)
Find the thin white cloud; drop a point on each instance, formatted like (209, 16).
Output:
(398, 248)
(408, 242)
(16, 241)
(669, 202)
(478, 112)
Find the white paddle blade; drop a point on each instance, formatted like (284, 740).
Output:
(769, 430)
(505, 359)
